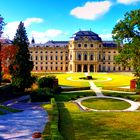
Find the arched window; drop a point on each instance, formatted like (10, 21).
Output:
(85, 56)
(91, 57)
(79, 56)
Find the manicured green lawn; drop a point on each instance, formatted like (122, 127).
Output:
(77, 125)
(73, 95)
(105, 104)
(72, 79)
(134, 97)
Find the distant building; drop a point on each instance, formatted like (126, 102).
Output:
(84, 52)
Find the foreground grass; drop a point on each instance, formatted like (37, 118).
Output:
(77, 125)
(105, 104)
(8, 109)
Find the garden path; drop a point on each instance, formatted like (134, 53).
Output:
(21, 125)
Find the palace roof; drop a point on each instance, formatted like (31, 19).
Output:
(88, 34)
(109, 44)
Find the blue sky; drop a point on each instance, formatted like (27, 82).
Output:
(59, 19)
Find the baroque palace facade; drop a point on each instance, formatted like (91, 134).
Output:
(85, 52)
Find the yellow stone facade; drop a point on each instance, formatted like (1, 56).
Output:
(85, 52)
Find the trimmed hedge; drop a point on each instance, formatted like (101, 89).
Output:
(55, 134)
(75, 88)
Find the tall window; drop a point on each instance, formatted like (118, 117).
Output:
(91, 45)
(79, 56)
(51, 58)
(70, 57)
(36, 57)
(61, 57)
(91, 57)
(41, 57)
(46, 57)
(109, 57)
(55, 57)
(85, 56)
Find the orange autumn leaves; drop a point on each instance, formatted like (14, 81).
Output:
(7, 56)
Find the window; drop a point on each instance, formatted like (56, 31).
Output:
(114, 51)
(51, 52)
(70, 57)
(36, 52)
(46, 68)
(109, 57)
(56, 52)
(41, 63)
(114, 68)
(55, 68)
(51, 57)
(36, 68)
(85, 57)
(85, 45)
(36, 57)
(108, 63)
(46, 57)
(91, 45)
(41, 52)
(61, 52)
(61, 57)
(79, 56)
(36, 63)
(31, 52)
(41, 57)
(55, 57)
(51, 68)
(100, 45)
(41, 68)
(51, 62)
(91, 57)
(109, 52)
(46, 52)
(46, 62)
(61, 68)
(79, 45)
(66, 57)
(56, 62)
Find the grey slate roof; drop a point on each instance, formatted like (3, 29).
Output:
(88, 34)
(109, 44)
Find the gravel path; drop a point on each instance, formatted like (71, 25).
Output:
(21, 126)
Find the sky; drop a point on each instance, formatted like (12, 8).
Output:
(60, 19)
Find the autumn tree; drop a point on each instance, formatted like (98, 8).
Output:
(1, 27)
(127, 32)
(8, 53)
(21, 68)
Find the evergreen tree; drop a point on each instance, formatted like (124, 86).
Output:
(21, 68)
(127, 31)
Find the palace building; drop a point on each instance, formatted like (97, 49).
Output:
(84, 52)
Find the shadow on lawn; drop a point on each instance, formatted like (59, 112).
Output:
(65, 122)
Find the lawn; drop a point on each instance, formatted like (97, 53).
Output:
(73, 95)
(77, 125)
(105, 104)
(73, 79)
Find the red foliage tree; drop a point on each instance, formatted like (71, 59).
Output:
(7, 57)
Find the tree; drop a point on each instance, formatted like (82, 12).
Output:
(1, 27)
(21, 68)
(7, 56)
(127, 32)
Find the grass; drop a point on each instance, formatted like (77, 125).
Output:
(105, 104)
(133, 97)
(8, 109)
(73, 95)
(64, 79)
(98, 125)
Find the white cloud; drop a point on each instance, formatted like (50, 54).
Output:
(29, 21)
(107, 36)
(11, 27)
(91, 10)
(127, 2)
(50, 34)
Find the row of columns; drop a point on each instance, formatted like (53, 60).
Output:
(85, 68)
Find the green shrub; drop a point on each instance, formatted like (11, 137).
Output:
(41, 95)
(46, 82)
